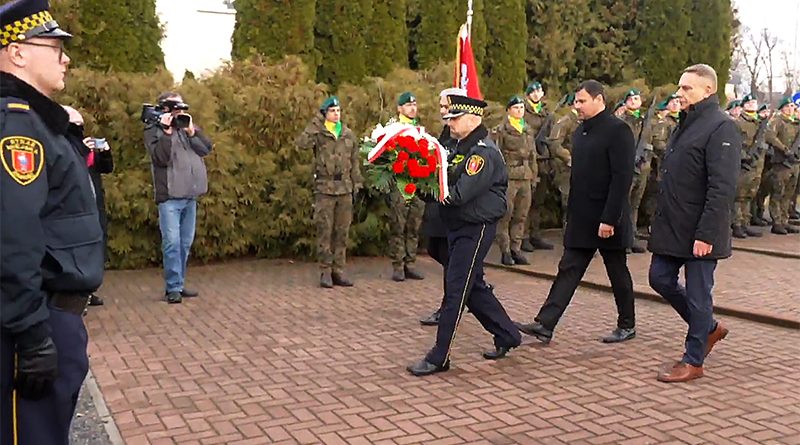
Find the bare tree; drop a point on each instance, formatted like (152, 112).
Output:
(770, 42)
(789, 75)
(748, 53)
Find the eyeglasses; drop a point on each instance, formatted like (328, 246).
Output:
(59, 47)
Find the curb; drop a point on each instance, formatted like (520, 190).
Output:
(728, 310)
(775, 253)
(102, 410)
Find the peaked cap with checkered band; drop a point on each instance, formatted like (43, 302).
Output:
(25, 19)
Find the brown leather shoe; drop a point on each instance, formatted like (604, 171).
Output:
(719, 333)
(681, 372)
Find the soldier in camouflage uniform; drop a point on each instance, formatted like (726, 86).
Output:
(750, 172)
(535, 117)
(634, 117)
(758, 205)
(784, 168)
(516, 141)
(734, 109)
(666, 119)
(793, 213)
(337, 177)
(405, 216)
(559, 141)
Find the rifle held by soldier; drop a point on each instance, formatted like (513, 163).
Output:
(644, 150)
(758, 148)
(542, 149)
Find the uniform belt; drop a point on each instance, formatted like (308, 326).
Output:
(72, 302)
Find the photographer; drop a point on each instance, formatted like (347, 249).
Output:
(98, 157)
(176, 148)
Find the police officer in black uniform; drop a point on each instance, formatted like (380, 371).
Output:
(52, 243)
(477, 181)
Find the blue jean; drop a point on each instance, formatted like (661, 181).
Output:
(176, 219)
(693, 302)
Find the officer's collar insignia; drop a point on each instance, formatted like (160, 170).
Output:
(457, 159)
(475, 165)
(23, 158)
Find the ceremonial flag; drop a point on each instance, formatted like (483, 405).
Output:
(466, 74)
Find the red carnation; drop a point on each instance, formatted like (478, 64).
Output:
(407, 142)
(410, 188)
(390, 146)
(398, 167)
(402, 155)
(414, 170)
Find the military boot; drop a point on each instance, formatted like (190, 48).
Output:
(340, 279)
(539, 243)
(398, 274)
(325, 280)
(758, 222)
(791, 229)
(738, 232)
(779, 229)
(506, 259)
(519, 258)
(413, 274)
(751, 232)
(527, 246)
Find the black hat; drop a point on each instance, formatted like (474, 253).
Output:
(458, 105)
(25, 19)
(515, 100)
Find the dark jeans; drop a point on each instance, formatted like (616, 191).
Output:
(693, 302)
(571, 269)
(438, 250)
(465, 288)
(47, 420)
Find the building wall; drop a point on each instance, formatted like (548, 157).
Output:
(197, 35)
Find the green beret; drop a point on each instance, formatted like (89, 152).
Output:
(619, 105)
(748, 98)
(569, 99)
(733, 104)
(332, 101)
(515, 100)
(762, 108)
(406, 98)
(672, 96)
(662, 105)
(784, 102)
(535, 85)
(630, 93)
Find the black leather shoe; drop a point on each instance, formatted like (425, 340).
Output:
(325, 280)
(398, 275)
(189, 293)
(619, 335)
(536, 329)
(539, 243)
(527, 246)
(94, 300)
(432, 319)
(498, 353)
(174, 297)
(751, 232)
(506, 259)
(519, 258)
(341, 280)
(424, 367)
(413, 274)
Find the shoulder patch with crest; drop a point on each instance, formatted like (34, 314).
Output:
(475, 165)
(22, 158)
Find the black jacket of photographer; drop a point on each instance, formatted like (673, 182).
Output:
(477, 179)
(50, 234)
(698, 184)
(179, 171)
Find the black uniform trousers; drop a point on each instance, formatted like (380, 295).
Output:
(468, 246)
(45, 421)
(571, 269)
(439, 251)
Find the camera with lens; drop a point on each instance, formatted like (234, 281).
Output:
(151, 114)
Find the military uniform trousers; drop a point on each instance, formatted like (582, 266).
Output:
(466, 288)
(45, 421)
(540, 189)
(511, 229)
(638, 188)
(405, 219)
(746, 187)
(758, 205)
(778, 184)
(561, 174)
(332, 216)
(796, 183)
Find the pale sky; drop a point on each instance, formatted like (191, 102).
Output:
(781, 18)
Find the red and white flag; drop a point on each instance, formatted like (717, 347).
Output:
(466, 74)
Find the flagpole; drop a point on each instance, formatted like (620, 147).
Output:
(469, 18)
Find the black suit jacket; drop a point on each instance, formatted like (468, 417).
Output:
(603, 153)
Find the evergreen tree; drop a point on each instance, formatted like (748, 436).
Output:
(122, 35)
(662, 28)
(709, 42)
(387, 37)
(339, 38)
(602, 52)
(504, 64)
(274, 28)
(554, 30)
(434, 31)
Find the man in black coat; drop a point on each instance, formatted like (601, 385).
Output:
(691, 228)
(598, 214)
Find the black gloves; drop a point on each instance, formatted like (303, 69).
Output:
(37, 369)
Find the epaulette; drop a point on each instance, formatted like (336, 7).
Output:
(15, 105)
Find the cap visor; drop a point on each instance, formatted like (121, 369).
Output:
(453, 114)
(57, 33)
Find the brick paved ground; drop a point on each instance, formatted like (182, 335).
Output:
(265, 356)
(763, 283)
(777, 243)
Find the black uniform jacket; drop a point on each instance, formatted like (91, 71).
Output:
(50, 233)
(602, 171)
(698, 184)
